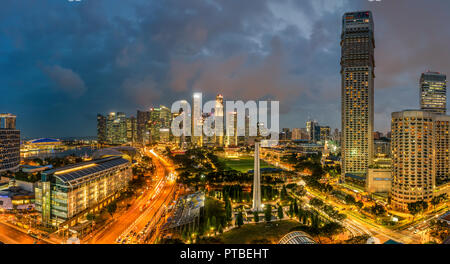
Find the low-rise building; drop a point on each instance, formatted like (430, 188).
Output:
(16, 198)
(379, 177)
(42, 144)
(64, 196)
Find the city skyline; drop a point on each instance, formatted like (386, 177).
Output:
(52, 83)
(263, 122)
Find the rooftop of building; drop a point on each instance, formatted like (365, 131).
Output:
(297, 237)
(115, 151)
(77, 172)
(3, 115)
(29, 168)
(12, 192)
(434, 73)
(44, 140)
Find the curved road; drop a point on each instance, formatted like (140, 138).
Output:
(143, 209)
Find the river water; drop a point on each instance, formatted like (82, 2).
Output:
(78, 151)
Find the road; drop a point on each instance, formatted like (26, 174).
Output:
(10, 235)
(145, 227)
(143, 209)
(367, 226)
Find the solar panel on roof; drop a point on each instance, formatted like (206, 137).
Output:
(100, 165)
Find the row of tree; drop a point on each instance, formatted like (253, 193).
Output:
(327, 209)
(421, 206)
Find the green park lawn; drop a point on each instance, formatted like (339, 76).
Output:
(261, 233)
(243, 164)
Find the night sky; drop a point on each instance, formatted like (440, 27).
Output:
(63, 62)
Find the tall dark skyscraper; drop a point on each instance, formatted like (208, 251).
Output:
(433, 92)
(142, 119)
(357, 72)
(101, 129)
(131, 129)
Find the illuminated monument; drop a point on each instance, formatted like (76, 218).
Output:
(257, 177)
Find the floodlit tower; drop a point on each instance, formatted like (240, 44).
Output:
(257, 176)
(218, 113)
(196, 121)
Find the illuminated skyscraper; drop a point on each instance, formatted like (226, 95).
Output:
(165, 116)
(357, 73)
(116, 128)
(131, 129)
(313, 130)
(197, 120)
(413, 173)
(433, 92)
(142, 126)
(9, 143)
(218, 114)
(231, 138)
(441, 130)
(154, 124)
(325, 132)
(183, 111)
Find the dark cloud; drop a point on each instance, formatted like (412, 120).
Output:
(65, 80)
(142, 90)
(100, 56)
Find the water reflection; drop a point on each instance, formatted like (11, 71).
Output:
(75, 151)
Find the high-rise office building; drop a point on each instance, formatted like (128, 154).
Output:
(101, 129)
(116, 128)
(131, 129)
(433, 92)
(413, 173)
(325, 133)
(357, 73)
(154, 124)
(231, 138)
(296, 134)
(313, 129)
(285, 134)
(336, 135)
(299, 133)
(219, 118)
(142, 120)
(184, 112)
(197, 120)
(165, 116)
(9, 143)
(164, 135)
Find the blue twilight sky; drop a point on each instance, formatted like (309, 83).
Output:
(63, 62)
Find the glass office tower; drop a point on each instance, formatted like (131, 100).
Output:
(433, 92)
